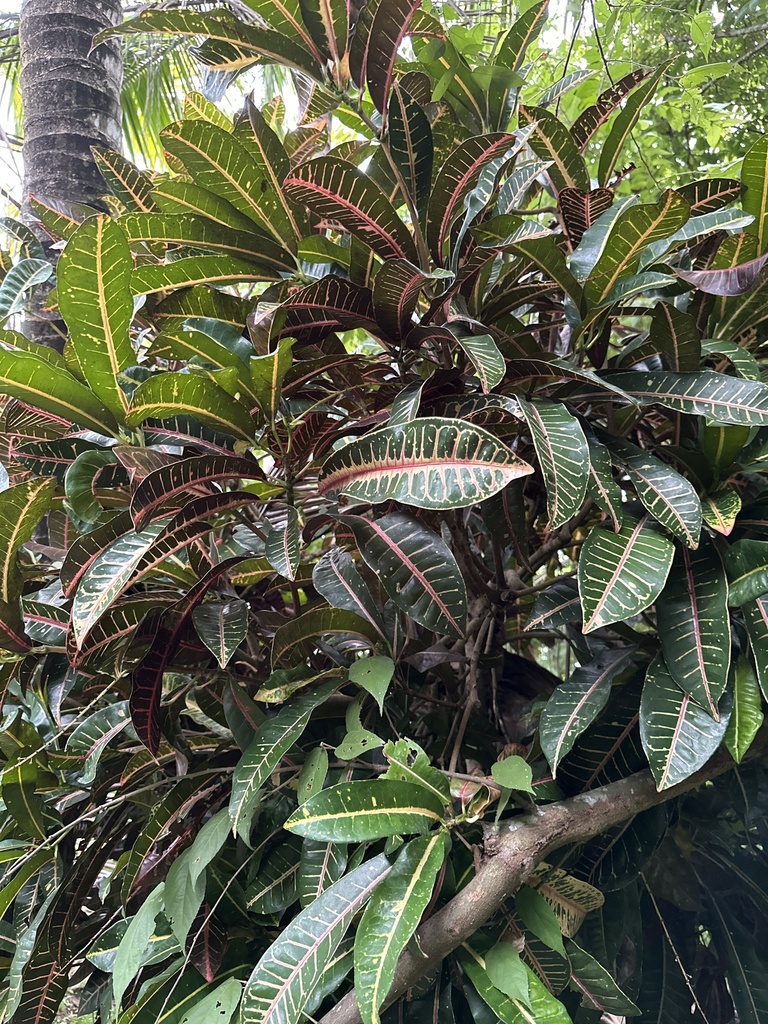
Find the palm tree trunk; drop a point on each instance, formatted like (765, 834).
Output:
(71, 101)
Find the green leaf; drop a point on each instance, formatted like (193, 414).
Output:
(131, 186)
(391, 917)
(166, 395)
(222, 626)
(601, 485)
(336, 578)
(337, 190)
(563, 454)
(721, 509)
(354, 812)
(296, 639)
(756, 620)
(544, 1008)
(621, 574)
(576, 703)
(411, 146)
(134, 942)
(515, 43)
(192, 270)
(94, 296)
(678, 736)
(548, 257)
(183, 897)
(274, 888)
(552, 141)
(320, 865)
(218, 1006)
(483, 352)
(754, 179)
(435, 463)
(38, 382)
(241, 175)
(667, 495)
(19, 782)
(598, 989)
(694, 626)
(284, 978)
(747, 567)
(677, 336)
(326, 21)
(747, 715)
(274, 739)
(714, 395)
(18, 281)
(416, 568)
(625, 121)
(409, 763)
(513, 772)
(507, 972)
(373, 674)
(537, 915)
(283, 545)
(313, 773)
(633, 229)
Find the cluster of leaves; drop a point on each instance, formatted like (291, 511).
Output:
(342, 431)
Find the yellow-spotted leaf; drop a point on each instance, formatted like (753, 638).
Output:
(167, 395)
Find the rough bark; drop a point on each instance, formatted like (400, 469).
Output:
(71, 101)
(513, 851)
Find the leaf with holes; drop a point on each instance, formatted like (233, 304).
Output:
(417, 569)
(391, 917)
(222, 627)
(274, 739)
(621, 574)
(435, 463)
(287, 974)
(678, 736)
(625, 121)
(576, 703)
(694, 627)
(338, 191)
(563, 455)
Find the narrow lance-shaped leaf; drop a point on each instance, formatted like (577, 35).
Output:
(621, 574)
(598, 989)
(416, 568)
(285, 977)
(754, 178)
(519, 37)
(360, 811)
(389, 28)
(563, 454)
(576, 703)
(601, 485)
(275, 737)
(17, 282)
(678, 736)
(166, 395)
(433, 462)
(131, 186)
(411, 146)
(694, 627)
(714, 395)
(483, 352)
(391, 917)
(552, 141)
(747, 714)
(94, 296)
(283, 545)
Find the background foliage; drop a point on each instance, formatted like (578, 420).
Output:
(402, 497)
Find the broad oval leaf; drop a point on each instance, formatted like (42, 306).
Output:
(336, 578)
(296, 639)
(435, 462)
(694, 627)
(391, 917)
(354, 812)
(678, 736)
(563, 455)
(222, 627)
(416, 568)
(576, 703)
(17, 282)
(621, 574)
(284, 978)
(747, 566)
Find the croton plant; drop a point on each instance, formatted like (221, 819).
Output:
(397, 502)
